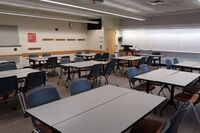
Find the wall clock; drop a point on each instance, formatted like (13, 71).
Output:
(71, 25)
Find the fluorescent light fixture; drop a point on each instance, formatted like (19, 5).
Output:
(46, 17)
(111, 4)
(93, 10)
(44, 9)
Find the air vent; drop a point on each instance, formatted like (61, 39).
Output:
(157, 2)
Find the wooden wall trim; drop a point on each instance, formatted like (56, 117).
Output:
(64, 52)
(57, 52)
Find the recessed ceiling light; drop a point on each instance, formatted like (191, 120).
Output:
(93, 10)
(157, 2)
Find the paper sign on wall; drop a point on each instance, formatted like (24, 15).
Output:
(31, 37)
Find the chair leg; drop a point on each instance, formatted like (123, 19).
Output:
(106, 79)
(196, 114)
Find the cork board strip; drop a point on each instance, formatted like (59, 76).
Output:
(81, 39)
(71, 39)
(60, 39)
(36, 48)
(47, 39)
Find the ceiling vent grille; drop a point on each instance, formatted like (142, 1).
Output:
(157, 2)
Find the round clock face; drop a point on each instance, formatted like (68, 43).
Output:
(71, 25)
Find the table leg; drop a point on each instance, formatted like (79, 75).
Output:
(68, 74)
(148, 86)
(79, 72)
(171, 100)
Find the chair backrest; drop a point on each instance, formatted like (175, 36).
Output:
(97, 57)
(176, 119)
(149, 60)
(78, 59)
(169, 64)
(52, 62)
(79, 85)
(144, 68)
(131, 73)
(143, 60)
(8, 66)
(65, 60)
(65, 57)
(32, 55)
(42, 95)
(7, 86)
(95, 70)
(46, 54)
(105, 56)
(175, 61)
(35, 79)
(110, 66)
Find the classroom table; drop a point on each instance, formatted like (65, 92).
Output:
(6, 61)
(192, 65)
(43, 59)
(130, 59)
(81, 65)
(20, 73)
(153, 55)
(86, 56)
(169, 77)
(114, 110)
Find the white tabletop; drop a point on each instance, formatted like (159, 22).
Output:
(156, 75)
(20, 73)
(73, 106)
(114, 116)
(5, 61)
(40, 58)
(180, 78)
(129, 58)
(83, 64)
(172, 77)
(187, 63)
(153, 55)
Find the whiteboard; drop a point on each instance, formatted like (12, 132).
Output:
(9, 35)
(175, 40)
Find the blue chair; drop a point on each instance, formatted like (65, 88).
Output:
(144, 68)
(79, 85)
(8, 66)
(142, 60)
(78, 59)
(34, 80)
(97, 57)
(109, 70)
(41, 96)
(169, 64)
(46, 54)
(95, 72)
(132, 72)
(149, 125)
(65, 60)
(8, 87)
(175, 61)
(51, 63)
(105, 57)
(63, 70)
(149, 61)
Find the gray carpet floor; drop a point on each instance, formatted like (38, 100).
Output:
(13, 121)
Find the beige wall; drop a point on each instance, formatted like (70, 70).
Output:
(45, 29)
